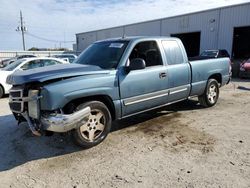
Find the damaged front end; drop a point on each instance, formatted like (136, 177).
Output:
(26, 106)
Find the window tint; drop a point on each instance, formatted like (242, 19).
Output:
(173, 52)
(148, 51)
(32, 65)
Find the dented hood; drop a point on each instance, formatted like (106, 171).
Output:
(53, 72)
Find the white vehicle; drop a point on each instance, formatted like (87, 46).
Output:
(66, 57)
(24, 64)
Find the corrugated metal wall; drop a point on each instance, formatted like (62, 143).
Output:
(216, 27)
(229, 18)
(146, 29)
(85, 39)
(116, 32)
(205, 22)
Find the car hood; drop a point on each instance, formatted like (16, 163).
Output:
(53, 72)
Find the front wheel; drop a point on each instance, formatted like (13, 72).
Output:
(210, 96)
(96, 129)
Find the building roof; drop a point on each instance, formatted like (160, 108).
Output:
(175, 16)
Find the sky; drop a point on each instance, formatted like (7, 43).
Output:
(54, 23)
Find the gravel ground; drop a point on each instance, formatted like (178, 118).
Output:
(182, 145)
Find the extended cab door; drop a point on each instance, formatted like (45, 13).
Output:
(178, 68)
(146, 88)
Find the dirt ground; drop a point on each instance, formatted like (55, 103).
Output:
(182, 145)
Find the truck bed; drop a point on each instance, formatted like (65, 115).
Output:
(202, 69)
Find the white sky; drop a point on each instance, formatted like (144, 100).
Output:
(60, 20)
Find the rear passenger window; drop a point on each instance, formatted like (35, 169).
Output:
(173, 52)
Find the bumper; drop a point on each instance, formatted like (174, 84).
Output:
(29, 108)
(63, 123)
(58, 123)
(226, 79)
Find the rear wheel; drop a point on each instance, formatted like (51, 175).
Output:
(211, 94)
(96, 129)
(1, 91)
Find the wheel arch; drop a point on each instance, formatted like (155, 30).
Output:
(217, 77)
(107, 100)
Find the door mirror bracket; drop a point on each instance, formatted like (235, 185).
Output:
(136, 64)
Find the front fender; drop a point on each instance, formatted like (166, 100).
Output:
(56, 100)
(58, 94)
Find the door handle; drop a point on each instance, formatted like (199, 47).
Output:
(162, 75)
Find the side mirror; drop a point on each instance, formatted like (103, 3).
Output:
(137, 64)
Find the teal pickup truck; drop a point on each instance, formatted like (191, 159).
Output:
(112, 79)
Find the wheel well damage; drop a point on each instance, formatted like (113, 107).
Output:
(71, 106)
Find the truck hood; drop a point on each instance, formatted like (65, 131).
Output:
(53, 72)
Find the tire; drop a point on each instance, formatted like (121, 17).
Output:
(96, 129)
(1, 91)
(211, 94)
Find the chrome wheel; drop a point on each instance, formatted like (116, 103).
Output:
(212, 94)
(94, 127)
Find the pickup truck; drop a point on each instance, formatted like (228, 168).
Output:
(111, 80)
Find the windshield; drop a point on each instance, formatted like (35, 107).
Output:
(13, 65)
(106, 54)
(209, 53)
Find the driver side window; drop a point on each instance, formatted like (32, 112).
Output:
(148, 51)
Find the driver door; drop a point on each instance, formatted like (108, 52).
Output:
(146, 88)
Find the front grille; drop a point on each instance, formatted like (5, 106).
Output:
(16, 94)
(16, 106)
(15, 100)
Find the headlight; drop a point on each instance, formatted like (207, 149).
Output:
(33, 104)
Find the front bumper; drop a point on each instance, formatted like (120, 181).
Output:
(63, 122)
(27, 105)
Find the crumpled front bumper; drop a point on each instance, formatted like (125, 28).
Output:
(29, 108)
(64, 122)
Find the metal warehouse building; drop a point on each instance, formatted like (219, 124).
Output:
(222, 28)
